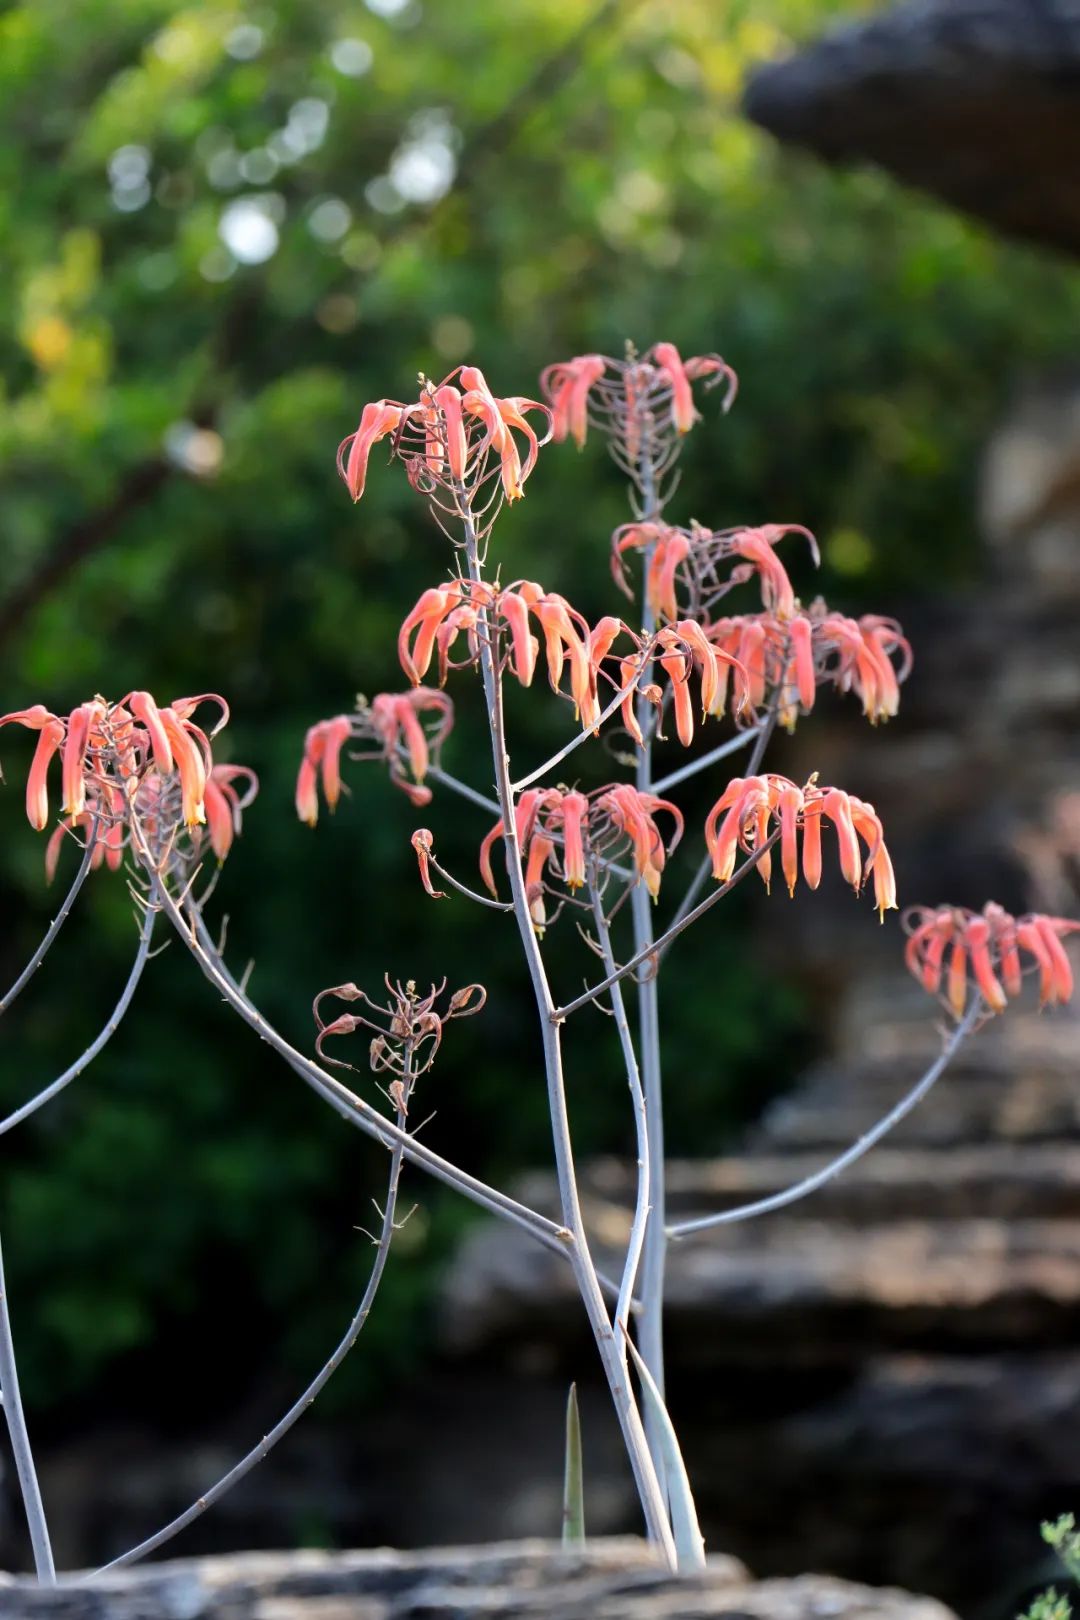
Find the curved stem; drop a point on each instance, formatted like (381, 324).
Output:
(304, 1401)
(20, 1445)
(637, 1096)
(357, 1113)
(58, 921)
(810, 1184)
(82, 1062)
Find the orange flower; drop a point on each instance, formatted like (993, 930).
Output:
(225, 804)
(119, 755)
(749, 805)
(322, 755)
(445, 436)
(395, 720)
(382, 417)
(567, 386)
(987, 946)
(631, 813)
(600, 824)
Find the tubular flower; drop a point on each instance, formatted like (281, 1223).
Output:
(631, 813)
(120, 758)
(628, 399)
(857, 657)
(789, 658)
(377, 420)
(424, 845)
(322, 756)
(395, 719)
(225, 804)
(743, 817)
(567, 386)
(667, 548)
(952, 946)
(442, 614)
(559, 830)
(447, 436)
(680, 649)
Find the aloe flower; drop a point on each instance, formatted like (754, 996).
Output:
(322, 758)
(446, 436)
(226, 802)
(443, 613)
(621, 396)
(744, 814)
(560, 829)
(952, 947)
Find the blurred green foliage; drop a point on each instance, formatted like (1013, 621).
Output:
(222, 230)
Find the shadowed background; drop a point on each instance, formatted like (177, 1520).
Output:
(224, 230)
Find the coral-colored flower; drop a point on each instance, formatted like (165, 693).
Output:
(743, 816)
(322, 757)
(559, 830)
(445, 436)
(632, 813)
(955, 946)
(131, 757)
(377, 420)
(442, 614)
(567, 385)
(627, 398)
(858, 658)
(396, 720)
(226, 802)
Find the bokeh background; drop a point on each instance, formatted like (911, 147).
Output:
(223, 230)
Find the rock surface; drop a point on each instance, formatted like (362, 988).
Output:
(977, 101)
(616, 1580)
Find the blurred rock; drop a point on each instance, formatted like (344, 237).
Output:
(977, 101)
(617, 1580)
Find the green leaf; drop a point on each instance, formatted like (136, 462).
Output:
(573, 1512)
(689, 1542)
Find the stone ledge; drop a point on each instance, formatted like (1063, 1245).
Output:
(609, 1580)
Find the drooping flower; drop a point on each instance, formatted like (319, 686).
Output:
(745, 813)
(951, 946)
(396, 720)
(322, 757)
(443, 613)
(633, 397)
(681, 649)
(446, 435)
(567, 385)
(226, 802)
(123, 758)
(560, 830)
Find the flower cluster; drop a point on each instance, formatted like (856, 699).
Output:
(629, 398)
(953, 946)
(476, 610)
(448, 435)
(749, 807)
(786, 650)
(134, 758)
(407, 1029)
(559, 831)
(395, 721)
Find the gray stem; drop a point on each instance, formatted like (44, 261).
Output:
(47, 1093)
(318, 1383)
(20, 1445)
(648, 1485)
(810, 1184)
(58, 921)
